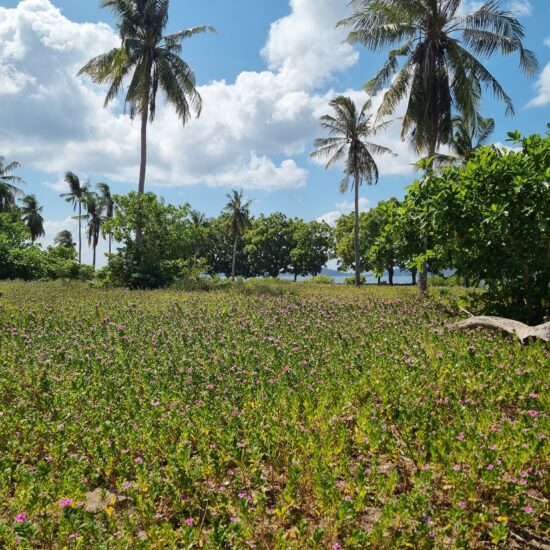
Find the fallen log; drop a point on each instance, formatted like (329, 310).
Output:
(522, 331)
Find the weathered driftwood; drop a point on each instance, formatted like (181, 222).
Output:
(523, 332)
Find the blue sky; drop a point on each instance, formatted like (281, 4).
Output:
(265, 77)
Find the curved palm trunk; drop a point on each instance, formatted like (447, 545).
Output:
(79, 232)
(356, 234)
(142, 172)
(234, 260)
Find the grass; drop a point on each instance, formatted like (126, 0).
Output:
(273, 416)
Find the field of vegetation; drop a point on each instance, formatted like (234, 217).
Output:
(264, 416)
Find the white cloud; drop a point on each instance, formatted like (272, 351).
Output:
(343, 208)
(543, 88)
(521, 8)
(547, 42)
(54, 121)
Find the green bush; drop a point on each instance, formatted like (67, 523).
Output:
(321, 280)
(351, 280)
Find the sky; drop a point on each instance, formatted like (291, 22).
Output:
(266, 77)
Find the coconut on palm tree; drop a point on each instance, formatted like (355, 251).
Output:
(237, 218)
(349, 129)
(8, 185)
(32, 216)
(76, 195)
(95, 216)
(148, 60)
(440, 74)
(108, 205)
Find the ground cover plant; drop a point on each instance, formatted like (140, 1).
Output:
(310, 416)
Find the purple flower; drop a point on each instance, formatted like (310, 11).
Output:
(457, 467)
(65, 502)
(462, 504)
(21, 518)
(138, 459)
(527, 509)
(490, 467)
(532, 413)
(431, 534)
(460, 436)
(190, 522)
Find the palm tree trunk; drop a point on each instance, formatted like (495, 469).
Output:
(142, 172)
(110, 238)
(234, 260)
(356, 233)
(79, 232)
(423, 280)
(413, 275)
(94, 249)
(390, 275)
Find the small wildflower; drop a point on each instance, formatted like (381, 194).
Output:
(21, 518)
(65, 502)
(431, 534)
(527, 509)
(462, 504)
(189, 522)
(138, 459)
(460, 436)
(457, 467)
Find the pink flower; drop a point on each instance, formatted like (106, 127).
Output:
(490, 467)
(233, 519)
(457, 467)
(60, 426)
(138, 459)
(431, 534)
(533, 395)
(527, 509)
(347, 498)
(21, 518)
(126, 484)
(460, 436)
(65, 502)
(462, 504)
(189, 522)
(336, 546)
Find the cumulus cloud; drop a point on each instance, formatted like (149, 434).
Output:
(53, 121)
(543, 89)
(521, 8)
(343, 208)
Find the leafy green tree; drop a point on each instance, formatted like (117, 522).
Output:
(440, 72)
(268, 244)
(166, 249)
(32, 216)
(491, 221)
(95, 216)
(199, 224)
(108, 206)
(76, 196)
(150, 60)
(8, 185)
(64, 239)
(349, 130)
(369, 228)
(237, 217)
(312, 246)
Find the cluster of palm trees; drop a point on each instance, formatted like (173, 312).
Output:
(439, 82)
(31, 212)
(98, 206)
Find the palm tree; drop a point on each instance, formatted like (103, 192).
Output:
(108, 204)
(8, 189)
(149, 60)
(440, 72)
(76, 194)
(237, 218)
(95, 215)
(32, 216)
(64, 239)
(348, 131)
(198, 222)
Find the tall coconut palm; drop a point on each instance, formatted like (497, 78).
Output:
(32, 216)
(441, 73)
(108, 205)
(349, 129)
(198, 222)
(95, 216)
(237, 218)
(149, 60)
(76, 195)
(8, 188)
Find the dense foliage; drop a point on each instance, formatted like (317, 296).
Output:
(490, 220)
(303, 416)
(20, 259)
